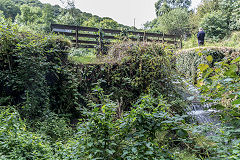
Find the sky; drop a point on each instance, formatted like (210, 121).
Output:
(122, 11)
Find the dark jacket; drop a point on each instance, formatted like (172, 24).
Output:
(201, 36)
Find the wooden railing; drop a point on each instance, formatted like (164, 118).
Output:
(90, 37)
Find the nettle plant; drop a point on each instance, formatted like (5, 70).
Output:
(220, 86)
(17, 142)
(107, 134)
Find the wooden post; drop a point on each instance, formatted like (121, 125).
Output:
(175, 42)
(76, 37)
(181, 42)
(163, 38)
(51, 28)
(100, 42)
(144, 36)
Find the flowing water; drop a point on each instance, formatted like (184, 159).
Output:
(201, 113)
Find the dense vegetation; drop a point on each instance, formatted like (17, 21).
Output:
(129, 104)
(218, 18)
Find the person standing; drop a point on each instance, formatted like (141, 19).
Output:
(200, 36)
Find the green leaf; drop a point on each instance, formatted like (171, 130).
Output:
(203, 67)
(200, 54)
(134, 150)
(231, 72)
(218, 106)
(110, 151)
(236, 60)
(209, 58)
(237, 101)
(149, 152)
(182, 133)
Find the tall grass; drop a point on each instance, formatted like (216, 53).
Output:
(232, 40)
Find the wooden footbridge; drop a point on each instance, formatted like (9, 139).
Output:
(90, 37)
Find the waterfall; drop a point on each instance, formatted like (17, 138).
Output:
(201, 113)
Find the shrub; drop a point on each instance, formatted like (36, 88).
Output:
(220, 86)
(215, 25)
(17, 142)
(33, 72)
(133, 136)
(174, 22)
(129, 70)
(57, 128)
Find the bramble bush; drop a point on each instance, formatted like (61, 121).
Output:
(34, 73)
(129, 70)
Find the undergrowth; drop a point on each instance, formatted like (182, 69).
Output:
(126, 107)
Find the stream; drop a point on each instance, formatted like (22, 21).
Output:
(201, 113)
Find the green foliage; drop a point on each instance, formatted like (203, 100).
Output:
(29, 14)
(17, 142)
(37, 16)
(129, 70)
(2, 17)
(109, 23)
(221, 84)
(174, 22)
(9, 9)
(132, 136)
(217, 17)
(34, 76)
(207, 6)
(188, 61)
(229, 41)
(88, 59)
(235, 17)
(215, 25)
(164, 6)
(66, 19)
(53, 126)
(226, 146)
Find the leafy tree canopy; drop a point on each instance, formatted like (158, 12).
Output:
(164, 6)
(215, 25)
(10, 10)
(174, 22)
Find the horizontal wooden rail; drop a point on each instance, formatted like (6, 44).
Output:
(100, 35)
(88, 35)
(65, 33)
(109, 37)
